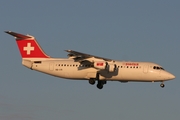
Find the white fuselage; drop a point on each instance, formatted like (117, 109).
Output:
(126, 71)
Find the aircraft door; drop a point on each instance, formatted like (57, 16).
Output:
(145, 69)
(51, 66)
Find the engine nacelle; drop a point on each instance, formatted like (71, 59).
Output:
(100, 65)
(111, 67)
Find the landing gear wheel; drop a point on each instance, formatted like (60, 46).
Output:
(162, 85)
(92, 81)
(100, 86)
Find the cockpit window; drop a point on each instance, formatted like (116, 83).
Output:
(158, 68)
(162, 68)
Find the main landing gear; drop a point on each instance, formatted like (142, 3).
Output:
(92, 81)
(99, 84)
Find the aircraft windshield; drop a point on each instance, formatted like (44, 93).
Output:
(158, 68)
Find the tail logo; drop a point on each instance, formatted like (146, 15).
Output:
(28, 48)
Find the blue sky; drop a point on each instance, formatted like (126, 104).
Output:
(140, 30)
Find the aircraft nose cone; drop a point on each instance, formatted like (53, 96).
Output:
(171, 76)
(166, 75)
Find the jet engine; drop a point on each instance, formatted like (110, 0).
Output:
(102, 65)
(111, 67)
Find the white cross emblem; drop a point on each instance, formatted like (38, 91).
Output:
(28, 48)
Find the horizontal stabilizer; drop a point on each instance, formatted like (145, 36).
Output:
(17, 35)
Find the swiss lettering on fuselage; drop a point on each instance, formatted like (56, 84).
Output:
(131, 64)
(100, 64)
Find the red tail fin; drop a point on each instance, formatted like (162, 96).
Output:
(28, 46)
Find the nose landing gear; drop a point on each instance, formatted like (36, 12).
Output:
(162, 85)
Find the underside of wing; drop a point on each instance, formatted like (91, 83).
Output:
(100, 63)
(79, 56)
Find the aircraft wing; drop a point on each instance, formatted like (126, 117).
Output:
(79, 56)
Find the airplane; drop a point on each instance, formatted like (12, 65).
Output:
(82, 66)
